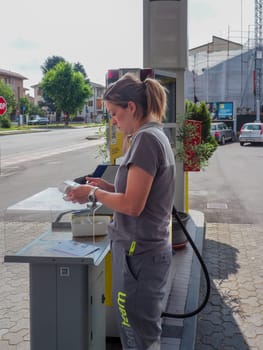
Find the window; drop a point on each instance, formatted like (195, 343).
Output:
(252, 127)
(99, 104)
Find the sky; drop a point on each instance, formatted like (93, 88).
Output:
(102, 34)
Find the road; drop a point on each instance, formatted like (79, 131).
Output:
(32, 162)
(20, 148)
(230, 189)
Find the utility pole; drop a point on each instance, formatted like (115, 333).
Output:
(258, 57)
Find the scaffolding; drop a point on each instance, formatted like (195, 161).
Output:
(258, 57)
(223, 70)
(230, 69)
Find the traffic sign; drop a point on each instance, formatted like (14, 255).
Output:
(3, 105)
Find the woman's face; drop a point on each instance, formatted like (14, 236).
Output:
(123, 118)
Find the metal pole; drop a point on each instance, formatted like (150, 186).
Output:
(258, 110)
(180, 111)
(258, 55)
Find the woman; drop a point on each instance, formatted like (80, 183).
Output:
(142, 199)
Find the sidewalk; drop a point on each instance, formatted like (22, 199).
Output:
(233, 318)
(40, 129)
(17, 132)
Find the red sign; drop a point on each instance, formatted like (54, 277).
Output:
(3, 105)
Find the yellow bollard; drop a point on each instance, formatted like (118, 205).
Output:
(186, 187)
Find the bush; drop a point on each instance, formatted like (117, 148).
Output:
(195, 155)
(200, 113)
(5, 122)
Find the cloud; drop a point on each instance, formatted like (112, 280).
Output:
(29, 66)
(23, 44)
(201, 10)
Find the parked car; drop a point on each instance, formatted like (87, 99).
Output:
(251, 133)
(37, 120)
(222, 132)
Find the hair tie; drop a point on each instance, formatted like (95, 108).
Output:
(144, 84)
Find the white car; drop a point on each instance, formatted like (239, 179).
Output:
(251, 133)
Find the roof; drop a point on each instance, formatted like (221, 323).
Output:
(8, 73)
(95, 85)
(35, 85)
(217, 44)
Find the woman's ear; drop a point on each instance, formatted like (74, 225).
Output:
(132, 107)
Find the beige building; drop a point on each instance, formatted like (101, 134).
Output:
(14, 80)
(93, 111)
(216, 45)
(37, 93)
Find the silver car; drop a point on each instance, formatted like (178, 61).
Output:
(221, 132)
(251, 133)
(37, 120)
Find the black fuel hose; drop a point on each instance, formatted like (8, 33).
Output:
(187, 234)
(202, 263)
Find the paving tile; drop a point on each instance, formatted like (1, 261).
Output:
(233, 254)
(238, 295)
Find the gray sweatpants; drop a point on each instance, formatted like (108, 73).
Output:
(138, 289)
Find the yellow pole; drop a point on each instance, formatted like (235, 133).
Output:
(186, 200)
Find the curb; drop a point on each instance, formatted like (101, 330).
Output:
(17, 132)
(184, 289)
(192, 302)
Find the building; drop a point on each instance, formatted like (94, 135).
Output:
(37, 94)
(15, 81)
(94, 109)
(222, 71)
(216, 45)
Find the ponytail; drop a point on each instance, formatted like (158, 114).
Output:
(156, 98)
(149, 95)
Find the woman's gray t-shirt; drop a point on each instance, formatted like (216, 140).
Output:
(150, 150)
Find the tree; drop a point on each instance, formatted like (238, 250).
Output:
(48, 102)
(7, 92)
(24, 105)
(35, 109)
(78, 67)
(50, 63)
(67, 88)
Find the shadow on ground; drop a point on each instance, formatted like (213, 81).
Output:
(217, 324)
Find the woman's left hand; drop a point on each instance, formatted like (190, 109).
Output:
(79, 194)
